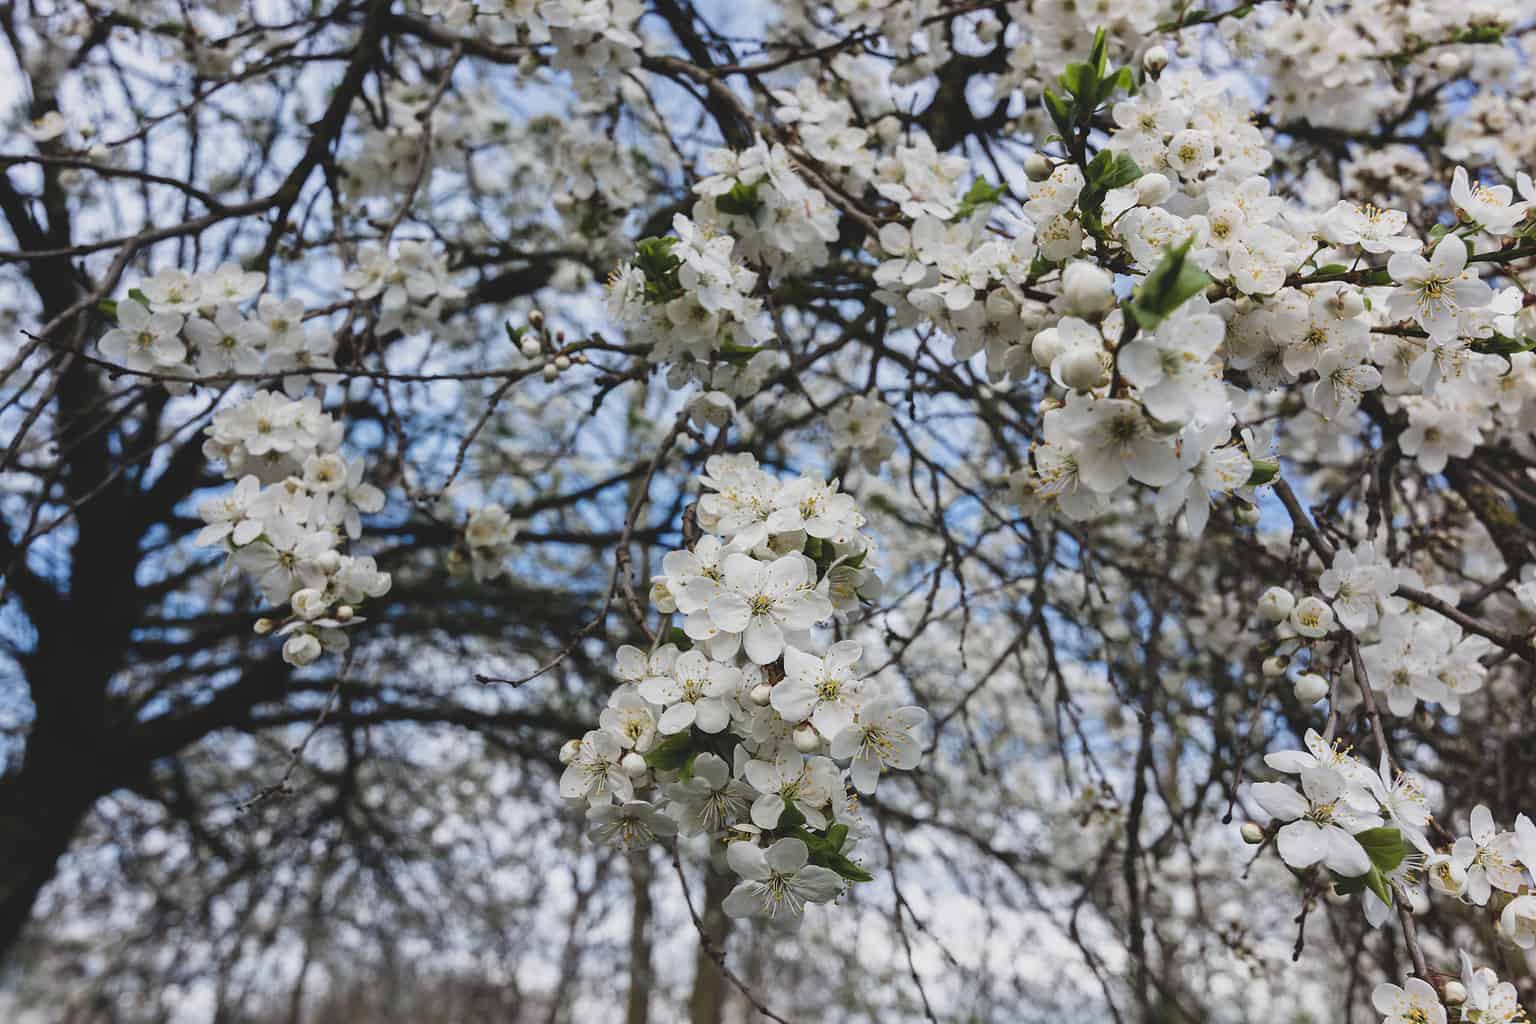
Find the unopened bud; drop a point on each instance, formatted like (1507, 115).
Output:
(806, 739)
(1310, 687)
(1082, 370)
(1154, 60)
(1455, 992)
(1048, 344)
(1153, 188)
(1275, 667)
(536, 319)
(1276, 604)
(551, 371)
(261, 627)
(569, 750)
(1037, 167)
(529, 348)
(1088, 288)
(344, 613)
(562, 362)
(634, 765)
(761, 694)
(1246, 514)
(1252, 834)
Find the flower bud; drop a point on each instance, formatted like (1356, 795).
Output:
(634, 765)
(1037, 167)
(261, 627)
(1153, 188)
(806, 739)
(328, 562)
(530, 348)
(1246, 514)
(661, 597)
(1276, 604)
(1275, 667)
(761, 694)
(1310, 687)
(1252, 834)
(1089, 289)
(1154, 60)
(569, 750)
(1046, 347)
(536, 319)
(344, 613)
(1082, 370)
(301, 649)
(1455, 992)
(1348, 304)
(562, 363)
(551, 371)
(308, 603)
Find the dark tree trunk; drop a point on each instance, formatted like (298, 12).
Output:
(41, 807)
(708, 1002)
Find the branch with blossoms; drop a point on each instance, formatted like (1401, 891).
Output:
(947, 254)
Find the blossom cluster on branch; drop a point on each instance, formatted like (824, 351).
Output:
(746, 726)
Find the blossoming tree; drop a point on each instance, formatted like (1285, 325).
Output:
(1075, 457)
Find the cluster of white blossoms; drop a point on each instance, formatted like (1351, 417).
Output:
(181, 325)
(1409, 653)
(1478, 997)
(748, 728)
(1314, 78)
(489, 533)
(411, 286)
(594, 40)
(1369, 830)
(756, 196)
(287, 522)
(691, 300)
(402, 142)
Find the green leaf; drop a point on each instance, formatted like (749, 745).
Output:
(108, 307)
(683, 641)
(981, 193)
(1499, 345)
(1173, 281)
(1063, 113)
(671, 753)
(654, 258)
(138, 296)
(848, 869)
(1333, 268)
(1082, 82)
(741, 200)
(791, 819)
(514, 334)
(1384, 846)
(1106, 171)
(825, 850)
(1264, 470)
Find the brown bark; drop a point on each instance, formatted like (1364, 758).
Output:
(707, 1004)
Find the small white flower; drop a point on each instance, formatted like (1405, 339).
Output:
(1413, 1003)
(1321, 824)
(1312, 618)
(880, 739)
(778, 882)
